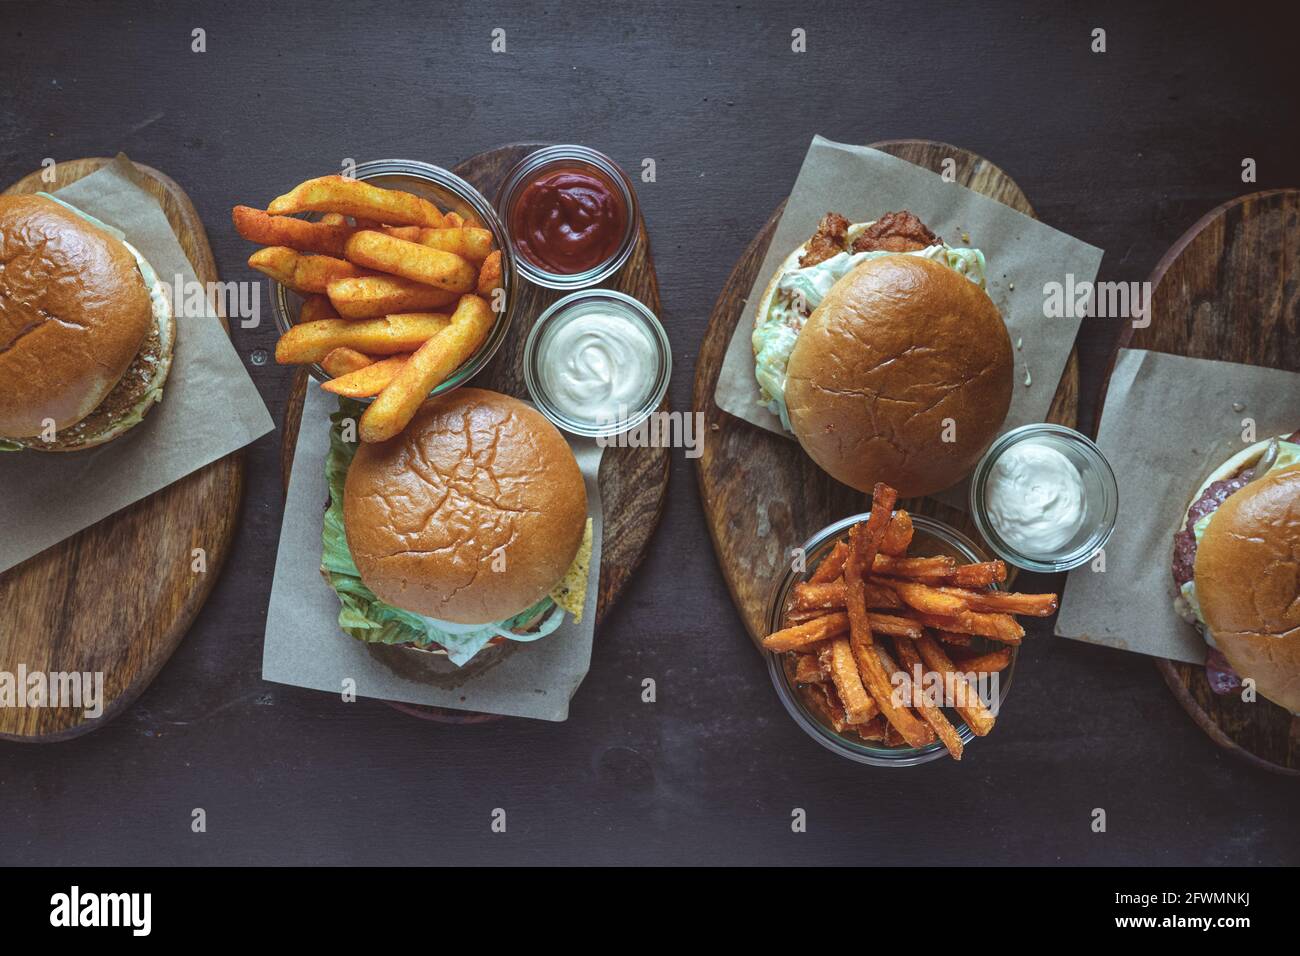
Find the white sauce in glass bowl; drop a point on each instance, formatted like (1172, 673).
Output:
(598, 365)
(1034, 498)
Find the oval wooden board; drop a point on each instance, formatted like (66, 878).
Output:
(1220, 293)
(633, 481)
(119, 596)
(760, 492)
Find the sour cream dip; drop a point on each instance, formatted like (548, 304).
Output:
(597, 362)
(1034, 498)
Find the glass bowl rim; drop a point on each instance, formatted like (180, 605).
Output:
(789, 696)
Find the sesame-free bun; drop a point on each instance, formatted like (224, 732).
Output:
(74, 314)
(471, 515)
(1247, 578)
(902, 353)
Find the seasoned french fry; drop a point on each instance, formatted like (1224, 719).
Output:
(316, 307)
(267, 230)
(410, 260)
(390, 335)
(452, 220)
(1032, 605)
(858, 705)
(334, 219)
(467, 242)
(931, 714)
(997, 627)
(968, 703)
(352, 197)
(343, 361)
(370, 296)
(367, 381)
(303, 273)
(898, 536)
(489, 275)
(437, 358)
(409, 233)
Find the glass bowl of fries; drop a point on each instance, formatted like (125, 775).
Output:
(813, 712)
(450, 194)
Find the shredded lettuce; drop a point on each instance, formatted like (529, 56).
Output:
(363, 615)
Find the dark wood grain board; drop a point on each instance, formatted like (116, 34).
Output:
(1228, 289)
(633, 481)
(119, 596)
(761, 493)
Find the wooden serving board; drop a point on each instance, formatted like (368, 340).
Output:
(119, 596)
(1227, 290)
(761, 493)
(633, 481)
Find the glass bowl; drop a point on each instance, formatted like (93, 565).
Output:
(1100, 492)
(578, 302)
(930, 538)
(448, 192)
(562, 157)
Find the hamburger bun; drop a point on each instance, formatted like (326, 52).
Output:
(471, 515)
(83, 343)
(899, 346)
(1247, 578)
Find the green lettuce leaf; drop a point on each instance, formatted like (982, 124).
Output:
(363, 615)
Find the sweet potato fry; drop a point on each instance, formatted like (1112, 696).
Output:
(823, 696)
(865, 537)
(316, 307)
(968, 704)
(367, 381)
(370, 296)
(877, 679)
(343, 360)
(267, 230)
(898, 536)
(930, 713)
(390, 335)
(489, 275)
(996, 627)
(832, 565)
(925, 598)
(303, 273)
(937, 568)
(895, 626)
(803, 635)
(858, 704)
(352, 197)
(978, 575)
(410, 260)
(830, 596)
(989, 663)
(1008, 602)
(954, 640)
(808, 670)
(437, 358)
(873, 731)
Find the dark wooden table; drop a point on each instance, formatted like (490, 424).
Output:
(1124, 149)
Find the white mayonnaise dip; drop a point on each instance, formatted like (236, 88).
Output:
(1035, 498)
(598, 365)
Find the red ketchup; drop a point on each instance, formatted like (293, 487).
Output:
(568, 220)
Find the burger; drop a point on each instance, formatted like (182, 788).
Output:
(1237, 566)
(469, 528)
(86, 329)
(877, 346)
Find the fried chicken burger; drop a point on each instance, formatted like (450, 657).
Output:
(877, 346)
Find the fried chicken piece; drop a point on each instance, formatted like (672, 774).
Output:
(829, 240)
(895, 232)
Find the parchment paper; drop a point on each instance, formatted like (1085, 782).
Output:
(305, 647)
(1168, 422)
(862, 184)
(209, 409)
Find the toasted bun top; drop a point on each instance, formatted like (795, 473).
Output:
(1248, 579)
(74, 311)
(898, 346)
(471, 515)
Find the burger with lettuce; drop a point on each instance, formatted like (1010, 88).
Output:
(1236, 563)
(469, 528)
(86, 329)
(877, 346)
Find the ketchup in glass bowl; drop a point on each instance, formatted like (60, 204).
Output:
(571, 214)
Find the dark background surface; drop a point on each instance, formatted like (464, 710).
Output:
(1124, 150)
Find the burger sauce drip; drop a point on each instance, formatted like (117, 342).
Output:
(568, 221)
